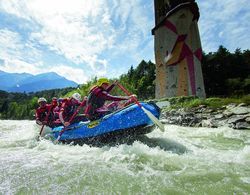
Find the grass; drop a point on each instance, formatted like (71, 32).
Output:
(212, 102)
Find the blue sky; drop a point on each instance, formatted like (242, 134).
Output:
(81, 39)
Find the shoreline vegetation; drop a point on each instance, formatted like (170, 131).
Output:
(211, 102)
(226, 79)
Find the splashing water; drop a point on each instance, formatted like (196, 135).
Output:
(180, 160)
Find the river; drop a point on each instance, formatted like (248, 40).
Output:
(181, 160)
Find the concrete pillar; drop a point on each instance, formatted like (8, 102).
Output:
(177, 49)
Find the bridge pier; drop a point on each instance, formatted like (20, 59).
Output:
(178, 49)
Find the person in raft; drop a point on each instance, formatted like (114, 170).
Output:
(54, 102)
(97, 97)
(58, 108)
(44, 113)
(70, 108)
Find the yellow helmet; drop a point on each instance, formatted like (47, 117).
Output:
(101, 81)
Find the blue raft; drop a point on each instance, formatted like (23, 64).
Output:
(128, 122)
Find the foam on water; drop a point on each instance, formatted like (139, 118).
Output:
(178, 161)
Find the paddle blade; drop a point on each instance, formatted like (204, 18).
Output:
(153, 118)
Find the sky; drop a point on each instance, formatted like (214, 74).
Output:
(83, 39)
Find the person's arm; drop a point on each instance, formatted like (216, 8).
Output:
(61, 118)
(61, 114)
(109, 97)
(65, 123)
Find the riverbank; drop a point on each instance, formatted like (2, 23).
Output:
(210, 112)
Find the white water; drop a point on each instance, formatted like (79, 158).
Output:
(178, 161)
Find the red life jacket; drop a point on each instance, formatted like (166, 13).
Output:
(96, 99)
(42, 113)
(68, 108)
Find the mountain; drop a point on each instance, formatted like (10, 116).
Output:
(24, 82)
(8, 80)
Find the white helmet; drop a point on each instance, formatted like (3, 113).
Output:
(76, 96)
(41, 99)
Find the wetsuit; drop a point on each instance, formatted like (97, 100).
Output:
(57, 110)
(68, 109)
(45, 114)
(96, 99)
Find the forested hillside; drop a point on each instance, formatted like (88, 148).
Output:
(22, 105)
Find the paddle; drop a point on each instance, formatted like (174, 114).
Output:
(72, 117)
(41, 131)
(147, 112)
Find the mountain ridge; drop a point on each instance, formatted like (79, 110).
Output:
(25, 82)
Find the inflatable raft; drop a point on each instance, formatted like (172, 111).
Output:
(128, 122)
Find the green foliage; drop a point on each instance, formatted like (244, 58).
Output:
(184, 101)
(226, 74)
(213, 102)
(140, 81)
(246, 99)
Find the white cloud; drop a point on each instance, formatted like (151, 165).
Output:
(85, 32)
(19, 66)
(70, 28)
(134, 25)
(221, 34)
(224, 22)
(16, 54)
(10, 44)
(75, 74)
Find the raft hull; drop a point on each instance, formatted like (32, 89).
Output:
(123, 124)
(118, 136)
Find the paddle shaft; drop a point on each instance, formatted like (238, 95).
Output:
(147, 112)
(128, 93)
(40, 133)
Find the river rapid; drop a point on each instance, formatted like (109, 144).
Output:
(181, 160)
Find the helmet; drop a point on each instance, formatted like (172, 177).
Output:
(59, 100)
(101, 81)
(41, 99)
(54, 99)
(76, 96)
